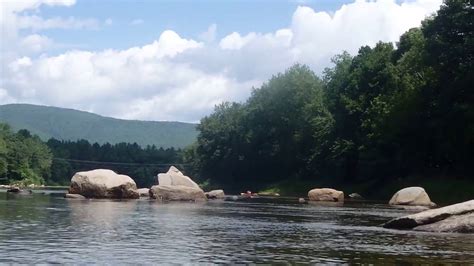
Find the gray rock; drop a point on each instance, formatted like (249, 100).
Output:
(415, 196)
(177, 193)
(355, 196)
(434, 216)
(174, 177)
(14, 190)
(463, 223)
(143, 192)
(103, 183)
(326, 194)
(215, 194)
(74, 196)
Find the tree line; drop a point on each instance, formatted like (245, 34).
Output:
(25, 159)
(386, 113)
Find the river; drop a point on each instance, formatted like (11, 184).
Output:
(46, 228)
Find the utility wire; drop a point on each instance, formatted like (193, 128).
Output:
(119, 163)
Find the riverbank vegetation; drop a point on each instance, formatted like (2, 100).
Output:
(26, 160)
(388, 114)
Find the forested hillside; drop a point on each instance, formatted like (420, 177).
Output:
(68, 124)
(389, 113)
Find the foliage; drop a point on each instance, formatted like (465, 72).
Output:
(24, 159)
(142, 164)
(381, 115)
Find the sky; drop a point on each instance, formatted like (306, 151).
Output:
(176, 60)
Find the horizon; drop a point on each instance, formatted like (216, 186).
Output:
(173, 61)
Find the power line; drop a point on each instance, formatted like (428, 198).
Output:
(118, 163)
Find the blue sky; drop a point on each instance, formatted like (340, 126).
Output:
(186, 17)
(176, 60)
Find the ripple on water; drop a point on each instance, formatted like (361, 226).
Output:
(45, 229)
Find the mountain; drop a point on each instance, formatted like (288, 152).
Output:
(68, 124)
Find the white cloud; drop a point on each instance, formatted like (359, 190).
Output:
(35, 43)
(108, 21)
(174, 78)
(209, 35)
(137, 22)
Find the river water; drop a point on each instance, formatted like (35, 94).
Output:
(46, 228)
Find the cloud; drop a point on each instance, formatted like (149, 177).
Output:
(174, 78)
(209, 35)
(136, 22)
(108, 21)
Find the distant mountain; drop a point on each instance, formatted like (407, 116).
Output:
(69, 124)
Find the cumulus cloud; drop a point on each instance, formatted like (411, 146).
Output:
(174, 78)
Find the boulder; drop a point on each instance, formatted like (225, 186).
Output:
(143, 192)
(103, 183)
(174, 186)
(215, 194)
(301, 200)
(463, 223)
(452, 218)
(326, 194)
(74, 196)
(14, 190)
(177, 193)
(415, 196)
(355, 196)
(174, 177)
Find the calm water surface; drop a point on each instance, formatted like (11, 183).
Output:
(49, 229)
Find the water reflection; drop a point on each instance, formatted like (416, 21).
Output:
(45, 229)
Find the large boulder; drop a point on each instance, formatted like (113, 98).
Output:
(414, 196)
(177, 193)
(453, 218)
(174, 177)
(326, 194)
(174, 186)
(215, 194)
(103, 183)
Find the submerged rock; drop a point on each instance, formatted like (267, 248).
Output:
(177, 193)
(74, 196)
(415, 196)
(301, 200)
(215, 194)
(326, 194)
(452, 218)
(103, 183)
(143, 192)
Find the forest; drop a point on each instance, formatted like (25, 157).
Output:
(390, 114)
(25, 159)
(387, 114)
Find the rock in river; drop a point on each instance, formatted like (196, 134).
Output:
(74, 196)
(144, 192)
(174, 177)
(215, 194)
(326, 194)
(103, 183)
(415, 196)
(176, 193)
(453, 218)
(174, 186)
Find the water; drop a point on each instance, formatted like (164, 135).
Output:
(49, 229)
